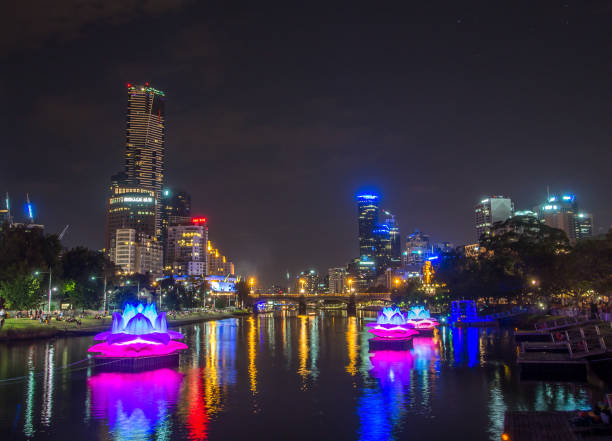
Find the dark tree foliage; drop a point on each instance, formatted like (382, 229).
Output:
(83, 274)
(22, 252)
(243, 291)
(523, 256)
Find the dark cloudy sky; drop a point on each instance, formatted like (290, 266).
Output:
(277, 117)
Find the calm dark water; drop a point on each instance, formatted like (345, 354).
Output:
(278, 377)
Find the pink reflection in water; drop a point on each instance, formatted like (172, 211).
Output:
(391, 366)
(134, 403)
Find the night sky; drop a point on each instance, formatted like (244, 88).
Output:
(276, 117)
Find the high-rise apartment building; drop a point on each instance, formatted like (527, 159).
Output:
(561, 211)
(145, 137)
(337, 280)
(490, 210)
(186, 248)
(135, 252)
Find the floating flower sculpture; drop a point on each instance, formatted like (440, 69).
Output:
(139, 332)
(392, 325)
(420, 318)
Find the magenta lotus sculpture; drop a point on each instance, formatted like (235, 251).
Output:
(139, 332)
(420, 318)
(391, 324)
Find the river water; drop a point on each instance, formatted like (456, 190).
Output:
(278, 377)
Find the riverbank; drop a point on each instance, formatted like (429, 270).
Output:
(25, 329)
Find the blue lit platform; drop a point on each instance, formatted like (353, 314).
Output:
(385, 344)
(135, 364)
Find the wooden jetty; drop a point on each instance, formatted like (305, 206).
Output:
(538, 426)
(565, 354)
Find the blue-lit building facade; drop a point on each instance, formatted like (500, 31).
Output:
(379, 242)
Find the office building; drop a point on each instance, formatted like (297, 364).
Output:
(337, 280)
(129, 207)
(145, 138)
(175, 210)
(418, 249)
(135, 252)
(186, 248)
(367, 205)
(395, 240)
(490, 210)
(584, 225)
(562, 212)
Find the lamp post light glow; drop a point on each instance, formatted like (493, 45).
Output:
(302, 281)
(104, 291)
(37, 273)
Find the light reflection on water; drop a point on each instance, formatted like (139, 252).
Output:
(268, 373)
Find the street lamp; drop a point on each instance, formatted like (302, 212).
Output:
(37, 273)
(350, 284)
(104, 302)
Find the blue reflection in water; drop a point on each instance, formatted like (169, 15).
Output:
(136, 405)
(382, 406)
(465, 342)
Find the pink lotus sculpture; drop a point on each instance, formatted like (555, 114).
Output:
(391, 324)
(419, 317)
(139, 332)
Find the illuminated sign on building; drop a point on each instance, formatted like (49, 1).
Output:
(137, 199)
(198, 220)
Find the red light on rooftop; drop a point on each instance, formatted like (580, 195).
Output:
(198, 220)
(147, 84)
(129, 84)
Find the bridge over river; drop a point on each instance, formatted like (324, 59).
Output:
(302, 300)
(360, 297)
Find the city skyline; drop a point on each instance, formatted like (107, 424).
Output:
(303, 141)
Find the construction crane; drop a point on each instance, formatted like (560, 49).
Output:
(61, 235)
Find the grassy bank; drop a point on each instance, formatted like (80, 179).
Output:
(25, 329)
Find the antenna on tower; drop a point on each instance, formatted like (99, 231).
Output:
(29, 207)
(547, 192)
(8, 208)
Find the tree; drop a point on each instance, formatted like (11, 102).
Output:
(83, 270)
(21, 292)
(23, 251)
(243, 290)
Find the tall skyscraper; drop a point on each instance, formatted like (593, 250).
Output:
(490, 210)
(395, 239)
(561, 211)
(145, 137)
(367, 205)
